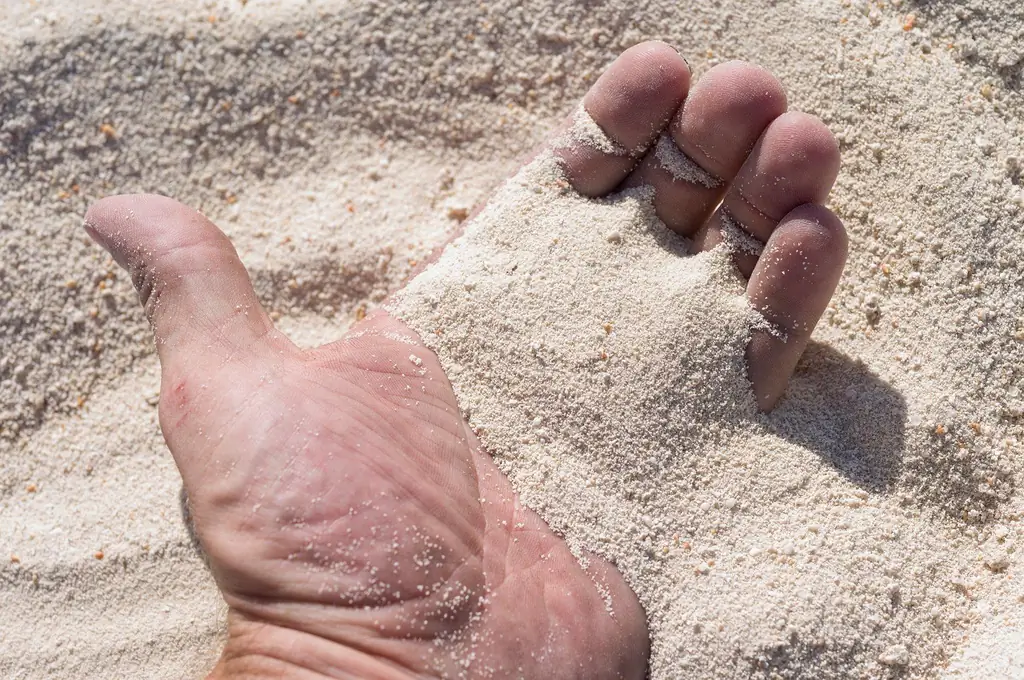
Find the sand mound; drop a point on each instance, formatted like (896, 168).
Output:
(868, 527)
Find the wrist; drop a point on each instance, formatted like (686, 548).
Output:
(257, 650)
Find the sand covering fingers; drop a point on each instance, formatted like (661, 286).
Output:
(603, 366)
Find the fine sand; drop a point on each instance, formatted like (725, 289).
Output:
(869, 527)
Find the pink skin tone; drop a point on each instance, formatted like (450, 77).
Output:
(356, 531)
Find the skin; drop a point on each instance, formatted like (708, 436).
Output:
(354, 536)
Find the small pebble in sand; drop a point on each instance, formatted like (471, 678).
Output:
(897, 655)
(998, 562)
(458, 213)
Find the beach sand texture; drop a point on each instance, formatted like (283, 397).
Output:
(869, 527)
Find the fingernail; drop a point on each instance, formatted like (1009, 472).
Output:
(683, 57)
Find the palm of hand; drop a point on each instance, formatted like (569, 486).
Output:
(341, 498)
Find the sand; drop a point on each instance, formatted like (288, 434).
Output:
(867, 528)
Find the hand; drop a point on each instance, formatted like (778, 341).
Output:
(351, 520)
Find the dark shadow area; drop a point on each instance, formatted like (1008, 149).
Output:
(837, 407)
(799, 658)
(841, 410)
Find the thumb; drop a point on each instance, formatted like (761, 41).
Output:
(204, 314)
(196, 292)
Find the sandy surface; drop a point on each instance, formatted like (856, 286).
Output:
(868, 528)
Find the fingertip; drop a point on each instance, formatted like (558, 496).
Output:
(630, 104)
(818, 234)
(820, 146)
(97, 225)
(653, 70)
(790, 288)
(801, 153)
(725, 114)
(115, 222)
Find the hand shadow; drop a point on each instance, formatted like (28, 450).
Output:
(839, 409)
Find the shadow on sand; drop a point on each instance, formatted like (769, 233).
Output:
(839, 409)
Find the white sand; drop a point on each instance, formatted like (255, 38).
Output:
(682, 167)
(868, 528)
